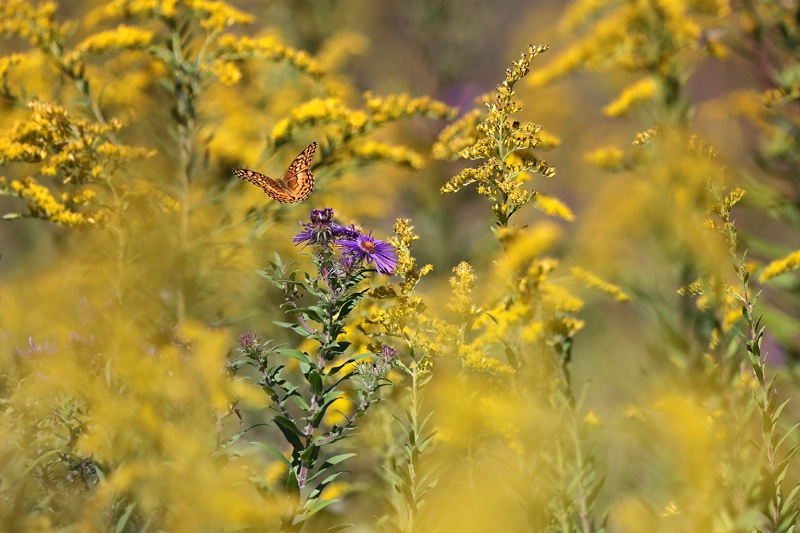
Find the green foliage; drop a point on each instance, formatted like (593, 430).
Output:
(513, 395)
(329, 378)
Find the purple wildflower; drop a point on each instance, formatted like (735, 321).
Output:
(373, 250)
(322, 229)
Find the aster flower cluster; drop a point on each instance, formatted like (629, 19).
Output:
(327, 374)
(357, 247)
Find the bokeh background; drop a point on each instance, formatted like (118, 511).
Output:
(628, 355)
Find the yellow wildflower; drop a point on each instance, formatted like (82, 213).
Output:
(457, 136)
(140, 8)
(8, 62)
(558, 298)
(592, 419)
(218, 15)
(121, 38)
(477, 360)
(336, 50)
(553, 207)
(640, 91)
(400, 155)
(645, 136)
(313, 112)
(462, 284)
(695, 288)
(395, 106)
(227, 72)
(594, 282)
(42, 204)
(522, 247)
(609, 158)
(35, 24)
(232, 48)
(781, 266)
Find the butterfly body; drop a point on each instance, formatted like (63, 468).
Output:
(294, 186)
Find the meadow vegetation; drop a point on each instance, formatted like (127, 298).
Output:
(486, 317)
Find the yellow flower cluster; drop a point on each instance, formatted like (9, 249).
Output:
(594, 282)
(609, 158)
(35, 24)
(225, 71)
(474, 358)
(396, 106)
(377, 151)
(781, 266)
(339, 47)
(218, 15)
(141, 8)
(405, 318)
(319, 111)
(233, 48)
(554, 207)
(120, 38)
(503, 143)
(461, 302)
(214, 15)
(558, 301)
(457, 136)
(694, 288)
(643, 137)
(7, 62)
(641, 91)
(643, 36)
(482, 174)
(452, 337)
(42, 204)
(77, 148)
(522, 247)
(349, 122)
(537, 314)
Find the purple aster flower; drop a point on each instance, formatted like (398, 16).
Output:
(373, 250)
(322, 229)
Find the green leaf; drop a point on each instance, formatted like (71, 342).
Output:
(339, 527)
(292, 486)
(313, 312)
(511, 356)
(301, 402)
(309, 454)
(274, 451)
(336, 459)
(314, 506)
(327, 481)
(297, 328)
(338, 347)
(383, 292)
(780, 408)
(290, 432)
(337, 368)
(315, 380)
(295, 354)
(124, 518)
(348, 303)
(318, 416)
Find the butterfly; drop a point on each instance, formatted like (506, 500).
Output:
(294, 186)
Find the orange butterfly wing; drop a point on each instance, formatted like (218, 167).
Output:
(294, 186)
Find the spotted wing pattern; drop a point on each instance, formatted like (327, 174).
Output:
(294, 186)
